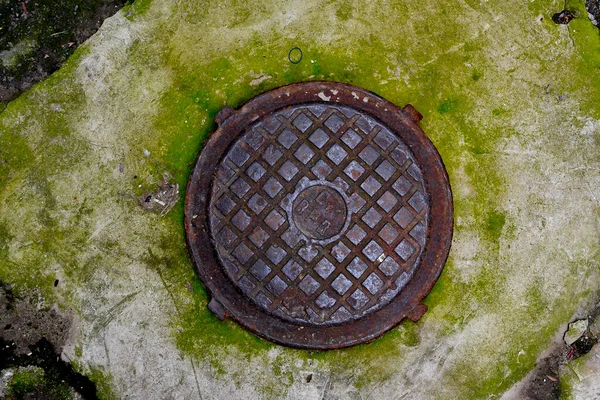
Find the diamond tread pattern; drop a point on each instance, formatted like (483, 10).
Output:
(287, 273)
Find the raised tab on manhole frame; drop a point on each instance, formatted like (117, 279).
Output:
(319, 215)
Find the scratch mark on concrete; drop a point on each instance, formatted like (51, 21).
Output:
(106, 349)
(110, 314)
(325, 386)
(162, 279)
(196, 378)
(100, 228)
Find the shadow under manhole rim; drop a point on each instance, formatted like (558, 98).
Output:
(319, 215)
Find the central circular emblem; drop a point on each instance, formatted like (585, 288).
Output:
(319, 212)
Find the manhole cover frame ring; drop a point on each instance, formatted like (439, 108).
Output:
(230, 301)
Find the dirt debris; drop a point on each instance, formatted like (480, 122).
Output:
(37, 37)
(31, 341)
(581, 335)
(544, 383)
(162, 200)
(563, 17)
(23, 321)
(593, 9)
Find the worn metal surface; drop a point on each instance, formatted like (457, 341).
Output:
(319, 215)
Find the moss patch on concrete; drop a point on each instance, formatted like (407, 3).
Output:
(138, 101)
(25, 382)
(579, 377)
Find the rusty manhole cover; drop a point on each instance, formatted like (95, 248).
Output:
(319, 215)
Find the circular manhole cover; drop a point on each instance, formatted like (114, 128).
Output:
(319, 215)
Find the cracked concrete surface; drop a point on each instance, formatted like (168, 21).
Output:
(510, 99)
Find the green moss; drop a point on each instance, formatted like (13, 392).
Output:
(498, 111)
(416, 60)
(566, 389)
(33, 160)
(495, 224)
(31, 381)
(571, 374)
(202, 334)
(103, 383)
(14, 154)
(25, 380)
(409, 334)
(447, 106)
(316, 70)
(5, 239)
(344, 12)
(136, 8)
(9, 59)
(278, 390)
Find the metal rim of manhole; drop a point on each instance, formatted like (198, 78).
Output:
(319, 215)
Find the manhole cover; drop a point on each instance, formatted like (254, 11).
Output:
(319, 215)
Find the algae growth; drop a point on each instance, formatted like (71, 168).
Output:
(138, 99)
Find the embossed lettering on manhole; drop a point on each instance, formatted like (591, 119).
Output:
(319, 215)
(319, 212)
